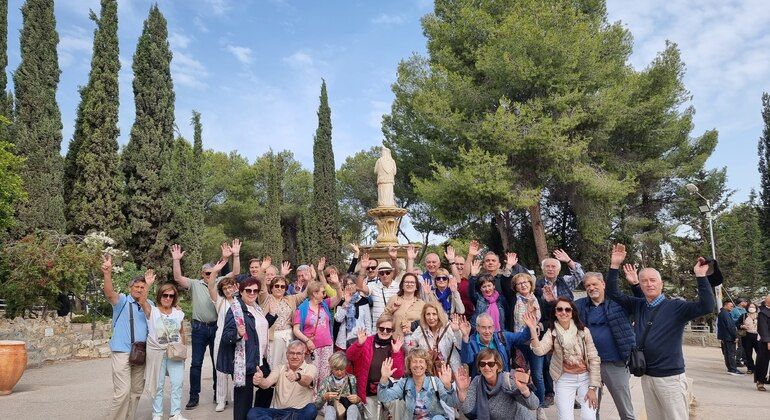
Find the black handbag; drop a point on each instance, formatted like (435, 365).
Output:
(636, 363)
(138, 353)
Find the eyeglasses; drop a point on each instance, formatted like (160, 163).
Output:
(279, 286)
(371, 268)
(565, 309)
(296, 353)
(385, 329)
(522, 283)
(487, 364)
(168, 295)
(442, 278)
(251, 291)
(207, 273)
(384, 272)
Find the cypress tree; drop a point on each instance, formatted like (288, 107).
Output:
(92, 172)
(764, 171)
(147, 157)
(196, 199)
(6, 101)
(37, 129)
(272, 236)
(325, 205)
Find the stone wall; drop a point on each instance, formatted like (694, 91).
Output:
(703, 339)
(56, 338)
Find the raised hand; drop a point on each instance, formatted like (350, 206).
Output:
(462, 379)
(411, 253)
(701, 267)
(521, 378)
(562, 256)
(630, 272)
(364, 262)
(267, 261)
(321, 264)
(396, 344)
(511, 259)
(361, 336)
(313, 273)
(106, 263)
(406, 329)
(285, 268)
(235, 247)
(449, 253)
(227, 252)
(618, 255)
(149, 278)
(356, 250)
(392, 252)
(445, 374)
(474, 248)
(475, 268)
(386, 370)
(334, 278)
(465, 327)
(455, 322)
(426, 288)
(453, 284)
(530, 320)
(176, 252)
(219, 265)
(548, 293)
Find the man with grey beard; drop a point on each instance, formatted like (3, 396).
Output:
(613, 338)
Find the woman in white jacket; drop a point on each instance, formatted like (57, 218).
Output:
(436, 335)
(353, 314)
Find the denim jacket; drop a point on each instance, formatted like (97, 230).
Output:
(396, 391)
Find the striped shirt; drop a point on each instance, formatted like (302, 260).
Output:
(379, 294)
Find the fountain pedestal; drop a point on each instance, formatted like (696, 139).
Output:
(387, 220)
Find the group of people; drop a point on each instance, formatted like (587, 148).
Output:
(477, 339)
(743, 330)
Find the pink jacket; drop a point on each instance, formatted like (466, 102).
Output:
(360, 356)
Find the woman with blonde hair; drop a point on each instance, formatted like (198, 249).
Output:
(435, 334)
(422, 391)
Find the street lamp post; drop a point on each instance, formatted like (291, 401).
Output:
(707, 210)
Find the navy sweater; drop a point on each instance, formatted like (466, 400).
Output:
(663, 347)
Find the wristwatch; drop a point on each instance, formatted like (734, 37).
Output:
(299, 377)
(592, 387)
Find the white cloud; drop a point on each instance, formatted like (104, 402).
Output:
(379, 108)
(178, 40)
(75, 44)
(188, 71)
(242, 54)
(218, 7)
(198, 22)
(386, 19)
(299, 60)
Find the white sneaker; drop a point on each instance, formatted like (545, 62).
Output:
(220, 407)
(541, 414)
(177, 417)
(157, 417)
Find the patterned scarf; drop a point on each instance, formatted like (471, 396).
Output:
(239, 366)
(493, 311)
(350, 315)
(570, 343)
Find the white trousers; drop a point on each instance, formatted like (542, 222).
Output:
(566, 389)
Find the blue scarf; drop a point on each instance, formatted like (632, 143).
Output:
(444, 298)
(350, 315)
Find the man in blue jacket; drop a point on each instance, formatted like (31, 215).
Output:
(727, 333)
(664, 384)
(613, 338)
(504, 342)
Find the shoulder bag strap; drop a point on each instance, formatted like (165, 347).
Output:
(115, 321)
(649, 324)
(131, 319)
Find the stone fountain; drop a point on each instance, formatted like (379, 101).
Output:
(387, 215)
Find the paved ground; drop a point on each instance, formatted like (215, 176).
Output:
(82, 390)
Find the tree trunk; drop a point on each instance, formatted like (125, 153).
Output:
(502, 229)
(538, 231)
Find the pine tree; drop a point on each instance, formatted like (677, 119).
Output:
(37, 129)
(93, 165)
(325, 205)
(146, 159)
(272, 236)
(6, 100)
(764, 170)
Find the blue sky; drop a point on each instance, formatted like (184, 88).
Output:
(253, 68)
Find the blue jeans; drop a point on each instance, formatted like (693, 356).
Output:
(202, 336)
(547, 374)
(175, 369)
(536, 370)
(308, 412)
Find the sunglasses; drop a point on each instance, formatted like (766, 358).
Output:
(487, 364)
(251, 291)
(279, 286)
(371, 268)
(207, 273)
(384, 272)
(566, 309)
(385, 329)
(442, 278)
(168, 295)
